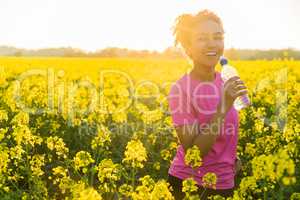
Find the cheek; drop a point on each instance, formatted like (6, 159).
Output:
(221, 46)
(197, 49)
(199, 46)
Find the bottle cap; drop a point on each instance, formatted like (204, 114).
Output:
(223, 61)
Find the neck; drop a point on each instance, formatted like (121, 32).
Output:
(203, 73)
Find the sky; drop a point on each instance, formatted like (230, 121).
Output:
(141, 24)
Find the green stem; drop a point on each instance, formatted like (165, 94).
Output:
(133, 172)
(265, 194)
(28, 170)
(93, 173)
(203, 192)
(280, 191)
(15, 186)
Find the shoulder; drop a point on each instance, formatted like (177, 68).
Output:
(179, 85)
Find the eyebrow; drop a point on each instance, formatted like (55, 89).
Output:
(219, 33)
(215, 33)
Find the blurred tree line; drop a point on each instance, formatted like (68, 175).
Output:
(170, 52)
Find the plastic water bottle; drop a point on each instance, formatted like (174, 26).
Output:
(228, 72)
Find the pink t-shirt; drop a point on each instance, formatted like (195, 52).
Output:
(193, 101)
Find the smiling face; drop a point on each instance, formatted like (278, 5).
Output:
(206, 43)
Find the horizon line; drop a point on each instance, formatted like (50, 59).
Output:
(137, 49)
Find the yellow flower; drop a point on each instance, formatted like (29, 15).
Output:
(250, 149)
(22, 135)
(263, 167)
(108, 171)
(151, 116)
(22, 118)
(156, 166)
(2, 133)
(126, 190)
(4, 160)
(57, 144)
(288, 134)
(165, 154)
(288, 180)
(88, 194)
(209, 180)
(62, 179)
(247, 184)
(3, 116)
(147, 181)
(272, 168)
(82, 192)
(102, 140)
(143, 191)
(259, 125)
(295, 196)
(119, 117)
(36, 163)
(82, 160)
(193, 157)
(108, 174)
(161, 191)
(189, 186)
(135, 154)
(16, 152)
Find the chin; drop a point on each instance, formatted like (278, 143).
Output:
(210, 63)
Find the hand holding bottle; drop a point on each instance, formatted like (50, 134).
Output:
(233, 88)
(228, 73)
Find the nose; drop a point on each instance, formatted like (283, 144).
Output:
(211, 43)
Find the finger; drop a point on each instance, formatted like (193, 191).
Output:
(240, 87)
(232, 79)
(232, 93)
(240, 93)
(233, 89)
(239, 82)
(232, 83)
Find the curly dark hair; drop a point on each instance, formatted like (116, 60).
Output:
(185, 24)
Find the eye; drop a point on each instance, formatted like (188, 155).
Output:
(202, 38)
(219, 37)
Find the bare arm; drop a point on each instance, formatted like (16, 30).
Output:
(190, 135)
(207, 136)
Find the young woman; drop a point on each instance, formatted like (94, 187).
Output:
(201, 106)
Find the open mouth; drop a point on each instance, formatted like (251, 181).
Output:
(211, 53)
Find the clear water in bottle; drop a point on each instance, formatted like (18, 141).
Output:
(228, 72)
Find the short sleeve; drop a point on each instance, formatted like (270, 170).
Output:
(181, 108)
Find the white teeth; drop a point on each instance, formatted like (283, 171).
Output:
(211, 53)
